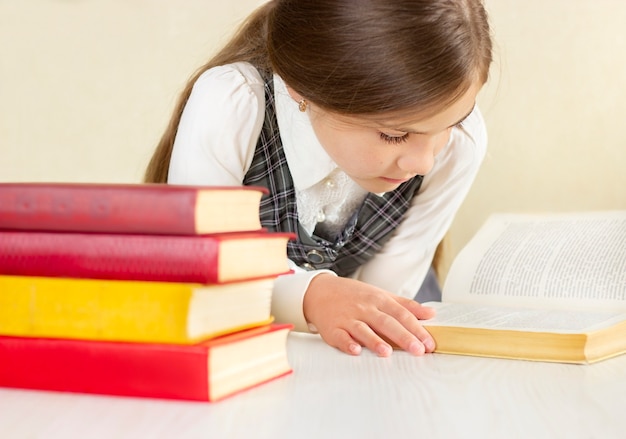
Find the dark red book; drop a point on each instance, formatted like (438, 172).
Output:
(204, 259)
(129, 208)
(207, 371)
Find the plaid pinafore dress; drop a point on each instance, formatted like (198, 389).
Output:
(364, 234)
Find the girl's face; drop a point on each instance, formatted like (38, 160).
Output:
(381, 155)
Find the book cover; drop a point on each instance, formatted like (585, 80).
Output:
(206, 371)
(129, 208)
(205, 259)
(115, 310)
(544, 287)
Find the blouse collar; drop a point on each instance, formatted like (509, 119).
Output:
(308, 161)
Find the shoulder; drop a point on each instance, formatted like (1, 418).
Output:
(219, 126)
(223, 96)
(474, 127)
(237, 79)
(471, 136)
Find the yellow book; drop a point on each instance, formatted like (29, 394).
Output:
(163, 312)
(543, 287)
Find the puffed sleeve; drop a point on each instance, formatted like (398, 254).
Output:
(219, 127)
(215, 144)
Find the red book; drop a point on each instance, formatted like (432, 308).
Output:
(207, 371)
(129, 208)
(204, 259)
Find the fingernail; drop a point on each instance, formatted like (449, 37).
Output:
(416, 348)
(354, 348)
(383, 350)
(429, 343)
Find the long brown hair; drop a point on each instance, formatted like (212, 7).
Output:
(356, 57)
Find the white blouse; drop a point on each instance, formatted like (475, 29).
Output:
(215, 143)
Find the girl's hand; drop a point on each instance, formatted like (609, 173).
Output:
(349, 314)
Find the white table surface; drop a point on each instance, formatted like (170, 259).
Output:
(333, 395)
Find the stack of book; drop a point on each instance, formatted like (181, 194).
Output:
(138, 290)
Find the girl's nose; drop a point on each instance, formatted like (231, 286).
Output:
(418, 158)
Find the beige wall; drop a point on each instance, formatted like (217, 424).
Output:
(87, 86)
(555, 111)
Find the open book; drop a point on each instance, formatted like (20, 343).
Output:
(544, 287)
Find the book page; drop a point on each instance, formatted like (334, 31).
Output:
(575, 260)
(467, 315)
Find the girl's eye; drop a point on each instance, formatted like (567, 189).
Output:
(394, 140)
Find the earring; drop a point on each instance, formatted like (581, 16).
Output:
(302, 105)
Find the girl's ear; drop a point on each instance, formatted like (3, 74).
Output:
(294, 94)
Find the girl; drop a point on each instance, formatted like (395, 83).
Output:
(359, 117)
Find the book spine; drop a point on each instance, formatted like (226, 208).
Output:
(124, 369)
(95, 208)
(135, 311)
(95, 309)
(159, 258)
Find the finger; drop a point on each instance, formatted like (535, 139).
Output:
(341, 339)
(420, 311)
(406, 330)
(362, 332)
(402, 332)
